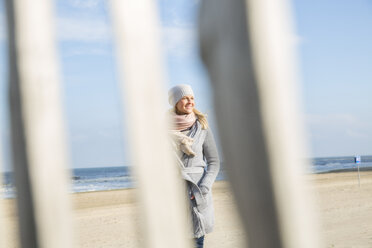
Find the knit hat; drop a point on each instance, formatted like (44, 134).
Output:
(177, 92)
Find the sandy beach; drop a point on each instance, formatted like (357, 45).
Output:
(109, 219)
(345, 210)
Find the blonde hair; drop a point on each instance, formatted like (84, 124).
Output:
(202, 118)
(199, 115)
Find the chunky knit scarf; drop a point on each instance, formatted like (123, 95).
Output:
(182, 122)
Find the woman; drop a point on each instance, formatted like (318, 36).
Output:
(200, 169)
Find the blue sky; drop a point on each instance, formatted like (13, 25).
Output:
(335, 59)
(336, 64)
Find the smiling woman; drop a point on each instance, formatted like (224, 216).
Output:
(199, 169)
(185, 105)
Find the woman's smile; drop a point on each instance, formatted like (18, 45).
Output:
(186, 105)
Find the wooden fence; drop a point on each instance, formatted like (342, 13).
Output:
(246, 47)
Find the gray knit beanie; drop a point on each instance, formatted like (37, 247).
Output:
(177, 92)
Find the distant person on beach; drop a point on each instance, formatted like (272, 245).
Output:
(199, 162)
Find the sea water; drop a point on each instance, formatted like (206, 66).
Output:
(321, 165)
(84, 180)
(110, 178)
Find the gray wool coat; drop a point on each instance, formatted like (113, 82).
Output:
(200, 172)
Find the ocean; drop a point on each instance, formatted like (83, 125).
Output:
(110, 178)
(322, 165)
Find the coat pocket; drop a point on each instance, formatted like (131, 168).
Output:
(198, 222)
(202, 202)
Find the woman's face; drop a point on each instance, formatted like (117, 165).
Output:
(185, 105)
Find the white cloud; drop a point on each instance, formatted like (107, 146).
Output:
(82, 30)
(179, 42)
(176, 41)
(177, 21)
(347, 119)
(85, 3)
(297, 39)
(339, 134)
(342, 124)
(358, 134)
(78, 51)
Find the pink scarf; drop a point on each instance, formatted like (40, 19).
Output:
(182, 122)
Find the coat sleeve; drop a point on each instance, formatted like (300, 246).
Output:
(213, 162)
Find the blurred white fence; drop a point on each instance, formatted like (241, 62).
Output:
(245, 46)
(37, 126)
(140, 64)
(249, 52)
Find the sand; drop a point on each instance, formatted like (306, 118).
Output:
(109, 219)
(345, 210)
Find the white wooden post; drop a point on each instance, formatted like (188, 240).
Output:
(161, 191)
(3, 239)
(38, 137)
(274, 54)
(249, 55)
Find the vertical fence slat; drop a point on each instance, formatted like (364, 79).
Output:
(273, 51)
(39, 154)
(25, 205)
(3, 228)
(225, 47)
(161, 194)
(252, 71)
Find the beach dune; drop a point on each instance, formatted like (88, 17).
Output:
(111, 219)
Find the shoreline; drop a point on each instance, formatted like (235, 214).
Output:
(345, 170)
(307, 174)
(9, 194)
